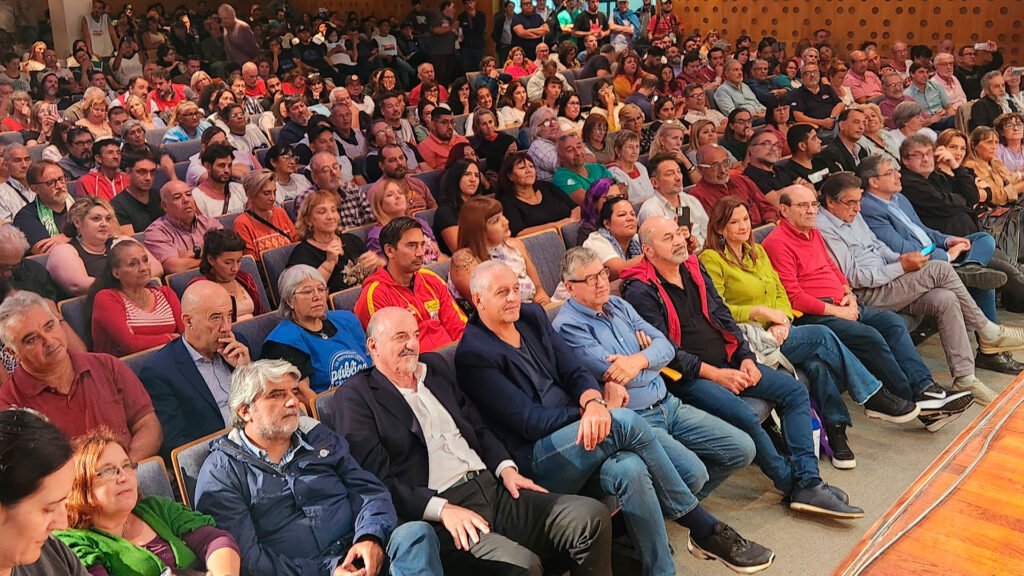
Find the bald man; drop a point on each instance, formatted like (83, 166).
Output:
(176, 238)
(189, 379)
(255, 87)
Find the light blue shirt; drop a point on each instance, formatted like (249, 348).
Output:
(177, 134)
(864, 259)
(933, 98)
(298, 443)
(596, 335)
(216, 375)
(729, 97)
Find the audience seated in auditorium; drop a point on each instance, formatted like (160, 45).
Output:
(627, 169)
(388, 201)
(290, 182)
(43, 219)
(863, 82)
(409, 424)
(969, 72)
(918, 286)
(190, 378)
(737, 133)
(137, 205)
(15, 191)
(670, 290)
(938, 111)
(544, 137)
(697, 108)
(531, 205)
(574, 174)
(459, 183)
(298, 463)
(341, 258)
(1010, 128)
(779, 120)
(186, 124)
(113, 529)
(993, 102)
(106, 178)
(671, 200)
(18, 270)
(394, 166)
(998, 186)
(176, 238)
(806, 145)
(221, 263)
(945, 78)
(763, 153)
(77, 391)
(404, 282)
(294, 128)
(815, 103)
(264, 225)
(734, 93)
(876, 139)
(442, 137)
(217, 194)
(326, 347)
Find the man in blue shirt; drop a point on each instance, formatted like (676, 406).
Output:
(627, 354)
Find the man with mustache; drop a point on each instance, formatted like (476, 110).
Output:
(315, 510)
(76, 391)
(409, 423)
(406, 284)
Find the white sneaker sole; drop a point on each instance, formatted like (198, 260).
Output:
(808, 508)
(843, 464)
(901, 419)
(703, 554)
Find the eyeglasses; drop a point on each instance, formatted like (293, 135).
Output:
(743, 121)
(189, 114)
(549, 122)
(310, 292)
(769, 144)
(113, 472)
(236, 116)
(850, 203)
(805, 205)
(591, 279)
(1013, 125)
(723, 165)
(918, 155)
(51, 183)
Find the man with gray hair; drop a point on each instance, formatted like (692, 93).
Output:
(575, 175)
(626, 354)
(77, 391)
(717, 182)
(993, 101)
(299, 466)
(813, 102)
(353, 207)
(944, 76)
(409, 423)
(21, 272)
(176, 238)
(544, 134)
(240, 43)
(15, 192)
(734, 93)
(190, 377)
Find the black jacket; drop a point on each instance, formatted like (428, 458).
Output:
(944, 203)
(985, 111)
(837, 158)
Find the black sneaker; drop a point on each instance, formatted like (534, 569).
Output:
(974, 276)
(819, 499)
(884, 405)
(728, 547)
(842, 455)
(936, 421)
(952, 402)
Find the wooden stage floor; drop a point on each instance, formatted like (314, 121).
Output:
(965, 514)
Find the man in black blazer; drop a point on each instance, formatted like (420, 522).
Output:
(408, 423)
(843, 153)
(189, 379)
(986, 109)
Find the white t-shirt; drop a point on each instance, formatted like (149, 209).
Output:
(339, 58)
(102, 45)
(602, 247)
(639, 189)
(130, 68)
(213, 207)
(251, 140)
(297, 184)
(387, 45)
(657, 206)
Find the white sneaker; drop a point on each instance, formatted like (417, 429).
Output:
(982, 394)
(1010, 339)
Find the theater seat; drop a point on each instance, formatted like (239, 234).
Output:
(432, 179)
(75, 314)
(760, 407)
(345, 299)
(182, 151)
(321, 406)
(585, 90)
(569, 232)
(136, 361)
(255, 330)
(274, 263)
(152, 478)
(187, 460)
(762, 232)
(546, 250)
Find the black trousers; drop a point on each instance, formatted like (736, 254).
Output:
(526, 530)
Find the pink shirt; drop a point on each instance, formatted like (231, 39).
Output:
(868, 86)
(435, 152)
(954, 91)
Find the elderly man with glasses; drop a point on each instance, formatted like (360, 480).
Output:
(42, 220)
(815, 103)
(717, 181)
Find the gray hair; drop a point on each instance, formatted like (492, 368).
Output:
(12, 237)
(11, 149)
(290, 280)
(987, 79)
(871, 167)
(539, 115)
(761, 61)
(573, 259)
(808, 50)
(480, 278)
(15, 307)
(251, 380)
(915, 141)
(227, 8)
(905, 112)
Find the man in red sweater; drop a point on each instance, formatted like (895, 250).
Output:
(717, 182)
(406, 284)
(817, 288)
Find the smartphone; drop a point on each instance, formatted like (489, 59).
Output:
(816, 177)
(984, 46)
(1019, 71)
(683, 216)
(928, 249)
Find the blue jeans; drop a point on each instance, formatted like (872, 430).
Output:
(830, 367)
(794, 408)
(703, 448)
(983, 246)
(413, 550)
(631, 465)
(881, 341)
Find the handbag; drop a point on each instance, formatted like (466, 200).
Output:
(1003, 223)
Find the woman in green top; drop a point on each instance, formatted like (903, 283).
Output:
(114, 532)
(751, 288)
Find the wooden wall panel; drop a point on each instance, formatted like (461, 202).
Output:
(853, 21)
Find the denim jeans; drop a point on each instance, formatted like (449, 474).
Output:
(983, 246)
(794, 408)
(703, 448)
(881, 341)
(413, 550)
(830, 367)
(630, 464)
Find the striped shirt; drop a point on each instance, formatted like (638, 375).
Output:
(160, 316)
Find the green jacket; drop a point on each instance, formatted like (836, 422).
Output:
(169, 519)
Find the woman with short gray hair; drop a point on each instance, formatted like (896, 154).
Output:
(908, 120)
(327, 347)
(544, 133)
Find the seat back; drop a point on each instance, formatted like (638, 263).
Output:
(182, 151)
(74, 312)
(152, 478)
(439, 268)
(460, 123)
(321, 406)
(427, 216)
(346, 299)
(11, 137)
(546, 249)
(570, 79)
(136, 361)
(552, 311)
(569, 232)
(178, 282)
(963, 117)
(361, 232)
(290, 209)
(762, 232)
(255, 330)
(448, 353)
(35, 153)
(433, 181)
(187, 460)
(249, 265)
(155, 136)
(228, 220)
(585, 90)
(274, 263)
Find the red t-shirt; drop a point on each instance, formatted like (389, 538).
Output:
(105, 392)
(257, 91)
(176, 98)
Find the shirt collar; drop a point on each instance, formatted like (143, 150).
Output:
(196, 355)
(34, 386)
(831, 219)
(575, 306)
(298, 443)
(421, 376)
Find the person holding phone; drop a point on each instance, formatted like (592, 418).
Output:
(969, 72)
